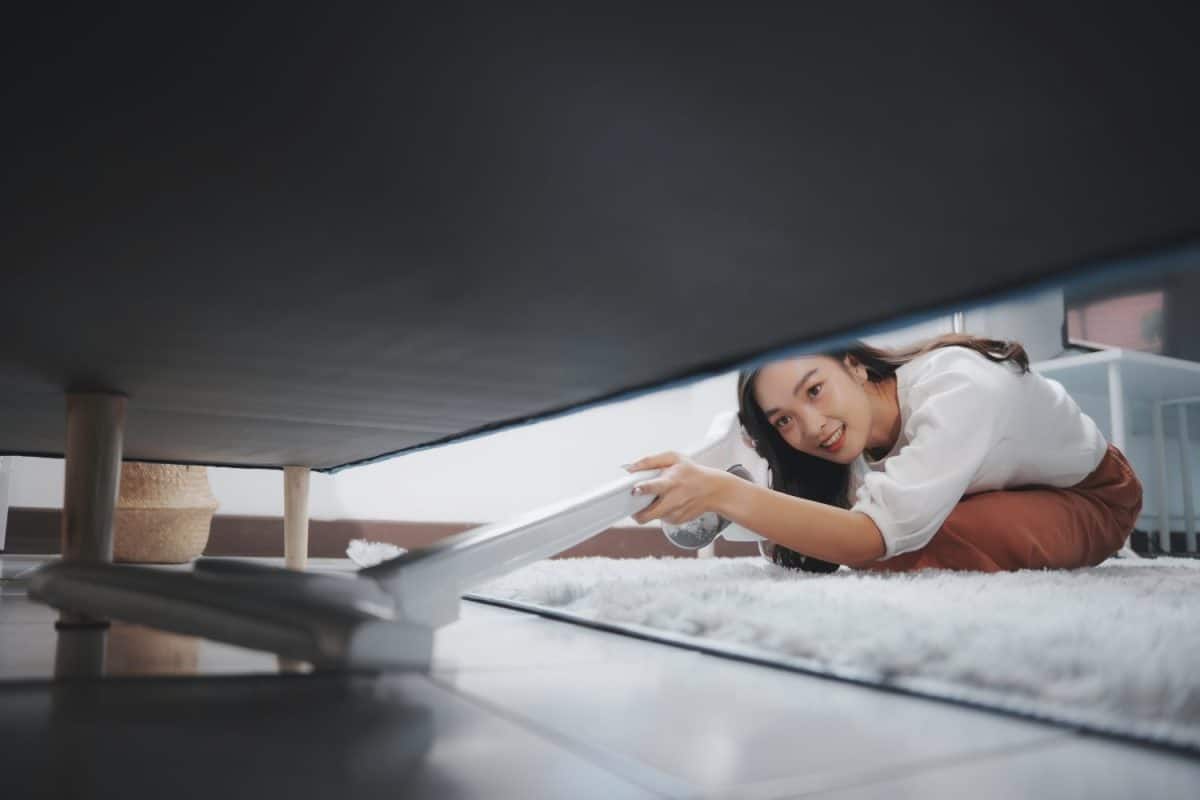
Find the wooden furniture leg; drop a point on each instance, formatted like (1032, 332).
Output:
(95, 437)
(295, 517)
(295, 537)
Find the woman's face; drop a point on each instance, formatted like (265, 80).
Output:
(816, 405)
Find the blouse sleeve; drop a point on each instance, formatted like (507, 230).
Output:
(952, 427)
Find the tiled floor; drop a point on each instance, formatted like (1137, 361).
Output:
(515, 706)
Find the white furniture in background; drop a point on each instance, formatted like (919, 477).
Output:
(1128, 377)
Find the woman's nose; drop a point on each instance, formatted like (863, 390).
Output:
(810, 423)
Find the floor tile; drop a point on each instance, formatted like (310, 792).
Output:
(30, 645)
(485, 637)
(17, 607)
(1080, 767)
(29, 641)
(14, 567)
(522, 705)
(488, 637)
(26, 649)
(719, 724)
(300, 736)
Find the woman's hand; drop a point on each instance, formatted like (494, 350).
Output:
(684, 490)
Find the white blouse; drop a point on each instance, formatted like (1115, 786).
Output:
(969, 425)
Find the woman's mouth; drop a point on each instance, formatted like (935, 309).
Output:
(834, 442)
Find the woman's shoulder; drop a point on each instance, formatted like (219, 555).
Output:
(956, 365)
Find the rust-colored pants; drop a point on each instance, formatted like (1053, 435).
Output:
(1034, 527)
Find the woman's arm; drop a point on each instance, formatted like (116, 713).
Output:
(814, 529)
(686, 490)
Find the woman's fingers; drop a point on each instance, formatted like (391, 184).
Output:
(660, 461)
(678, 515)
(665, 503)
(668, 508)
(679, 489)
(654, 486)
(650, 512)
(681, 514)
(665, 496)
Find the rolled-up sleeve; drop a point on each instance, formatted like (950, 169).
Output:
(952, 426)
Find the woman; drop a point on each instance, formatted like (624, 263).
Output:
(949, 455)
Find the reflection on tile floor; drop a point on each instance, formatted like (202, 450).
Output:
(13, 568)
(516, 706)
(323, 736)
(1078, 767)
(715, 723)
(29, 642)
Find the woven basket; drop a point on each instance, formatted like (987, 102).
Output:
(163, 513)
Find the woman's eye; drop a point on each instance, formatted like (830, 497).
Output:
(815, 389)
(782, 422)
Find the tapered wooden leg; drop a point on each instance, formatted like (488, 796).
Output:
(95, 438)
(295, 536)
(295, 517)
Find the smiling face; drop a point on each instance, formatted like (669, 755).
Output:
(817, 405)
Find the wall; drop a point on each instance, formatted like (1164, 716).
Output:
(1035, 320)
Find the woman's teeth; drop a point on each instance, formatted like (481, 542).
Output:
(833, 440)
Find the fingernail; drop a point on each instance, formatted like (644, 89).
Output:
(637, 490)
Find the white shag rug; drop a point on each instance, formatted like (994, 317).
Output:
(366, 553)
(1114, 648)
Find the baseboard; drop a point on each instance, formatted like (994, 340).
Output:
(36, 530)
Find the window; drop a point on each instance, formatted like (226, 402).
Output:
(1154, 312)
(1133, 321)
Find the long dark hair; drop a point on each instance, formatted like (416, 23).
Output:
(802, 475)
